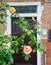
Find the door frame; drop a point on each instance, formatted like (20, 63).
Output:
(38, 15)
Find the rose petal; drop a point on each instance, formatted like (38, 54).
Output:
(39, 23)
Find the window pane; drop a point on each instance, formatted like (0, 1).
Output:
(26, 9)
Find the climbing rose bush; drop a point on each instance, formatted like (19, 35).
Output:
(10, 44)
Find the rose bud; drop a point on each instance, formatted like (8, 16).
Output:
(6, 33)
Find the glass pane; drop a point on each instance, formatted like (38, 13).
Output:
(26, 9)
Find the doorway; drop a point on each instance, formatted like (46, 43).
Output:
(15, 30)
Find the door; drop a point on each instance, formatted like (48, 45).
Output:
(15, 30)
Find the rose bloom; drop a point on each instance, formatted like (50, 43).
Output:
(6, 33)
(12, 10)
(27, 49)
(4, 44)
(39, 23)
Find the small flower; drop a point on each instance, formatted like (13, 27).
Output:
(39, 23)
(6, 33)
(9, 45)
(12, 10)
(27, 49)
(4, 44)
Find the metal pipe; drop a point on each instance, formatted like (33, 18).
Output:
(44, 55)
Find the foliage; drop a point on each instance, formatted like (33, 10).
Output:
(10, 44)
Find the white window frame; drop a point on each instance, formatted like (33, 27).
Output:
(38, 15)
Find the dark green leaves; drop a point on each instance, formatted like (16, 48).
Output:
(5, 6)
(1, 0)
(26, 57)
(3, 15)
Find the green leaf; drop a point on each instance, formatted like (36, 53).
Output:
(1, 0)
(34, 50)
(16, 23)
(0, 42)
(5, 6)
(39, 32)
(29, 32)
(3, 22)
(3, 15)
(33, 18)
(27, 57)
(17, 49)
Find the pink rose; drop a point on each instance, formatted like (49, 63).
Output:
(6, 33)
(39, 23)
(27, 49)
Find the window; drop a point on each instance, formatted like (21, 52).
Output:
(26, 9)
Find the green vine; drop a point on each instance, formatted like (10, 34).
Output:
(23, 24)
